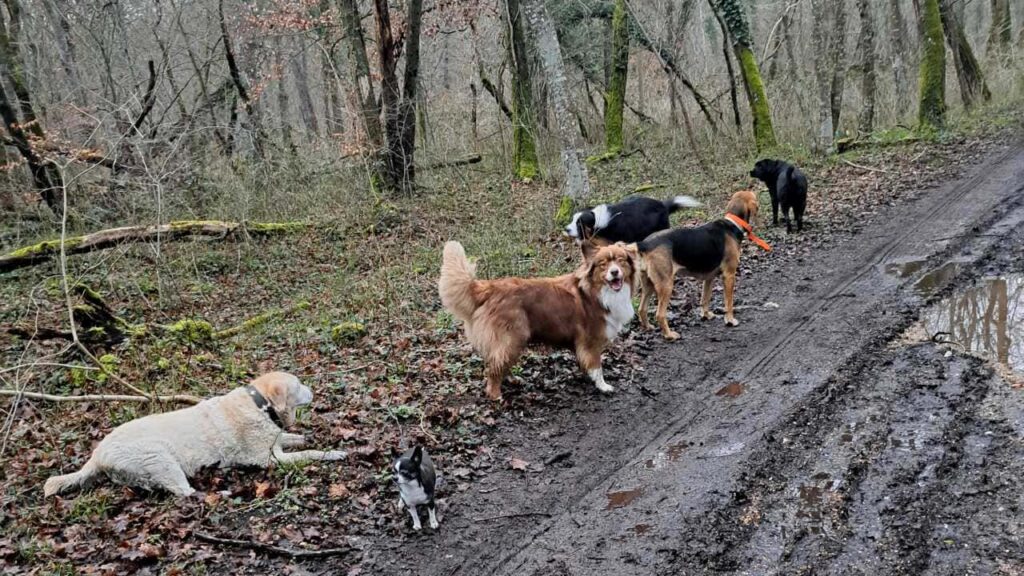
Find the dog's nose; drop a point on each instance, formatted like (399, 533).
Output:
(614, 272)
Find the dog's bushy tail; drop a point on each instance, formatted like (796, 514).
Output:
(81, 479)
(458, 276)
(678, 202)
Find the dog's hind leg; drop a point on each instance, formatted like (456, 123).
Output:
(646, 289)
(590, 362)
(432, 509)
(498, 361)
(705, 299)
(153, 471)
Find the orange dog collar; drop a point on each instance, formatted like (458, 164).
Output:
(750, 231)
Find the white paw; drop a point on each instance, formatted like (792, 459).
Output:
(434, 523)
(605, 387)
(417, 527)
(732, 322)
(336, 455)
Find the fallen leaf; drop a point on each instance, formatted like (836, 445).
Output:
(338, 491)
(263, 489)
(517, 464)
(345, 433)
(212, 498)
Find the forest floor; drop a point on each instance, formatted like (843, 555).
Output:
(827, 433)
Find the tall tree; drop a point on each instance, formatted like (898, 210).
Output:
(837, 57)
(25, 131)
(399, 101)
(615, 98)
(932, 76)
(760, 111)
(576, 189)
(822, 76)
(866, 47)
(524, 140)
(898, 38)
(1000, 33)
(968, 72)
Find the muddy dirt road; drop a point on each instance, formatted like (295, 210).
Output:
(826, 436)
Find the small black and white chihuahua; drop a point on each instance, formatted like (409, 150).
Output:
(416, 478)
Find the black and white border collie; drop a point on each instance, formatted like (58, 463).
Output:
(630, 220)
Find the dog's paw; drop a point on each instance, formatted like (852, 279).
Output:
(732, 322)
(709, 315)
(335, 455)
(434, 524)
(605, 387)
(671, 335)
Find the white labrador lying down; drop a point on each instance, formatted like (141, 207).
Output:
(244, 427)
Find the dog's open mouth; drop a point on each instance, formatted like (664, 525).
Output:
(615, 284)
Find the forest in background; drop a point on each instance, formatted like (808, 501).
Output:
(149, 112)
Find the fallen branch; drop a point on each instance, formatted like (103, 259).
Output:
(175, 398)
(475, 158)
(258, 320)
(274, 550)
(44, 251)
(868, 168)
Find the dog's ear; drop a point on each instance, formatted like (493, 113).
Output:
(417, 456)
(276, 388)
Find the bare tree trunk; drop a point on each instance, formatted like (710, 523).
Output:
(826, 130)
(283, 105)
(399, 103)
(837, 50)
(760, 110)
(898, 37)
(300, 71)
(57, 15)
(999, 34)
(524, 125)
(615, 97)
(240, 83)
(866, 46)
(733, 93)
(968, 72)
(365, 99)
(576, 190)
(26, 132)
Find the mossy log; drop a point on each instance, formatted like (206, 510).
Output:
(259, 320)
(45, 251)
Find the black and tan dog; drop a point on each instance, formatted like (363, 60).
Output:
(702, 252)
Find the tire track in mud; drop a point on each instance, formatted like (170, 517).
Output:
(697, 457)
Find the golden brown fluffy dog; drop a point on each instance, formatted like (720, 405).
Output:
(582, 311)
(702, 252)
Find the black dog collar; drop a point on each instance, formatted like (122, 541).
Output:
(264, 405)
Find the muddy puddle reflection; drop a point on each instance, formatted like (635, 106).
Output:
(986, 320)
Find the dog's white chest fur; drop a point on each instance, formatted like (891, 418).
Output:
(412, 493)
(620, 310)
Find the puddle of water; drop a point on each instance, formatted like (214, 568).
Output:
(903, 269)
(986, 320)
(731, 390)
(641, 529)
(622, 498)
(937, 278)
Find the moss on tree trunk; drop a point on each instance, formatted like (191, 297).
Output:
(932, 76)
(760, 112)
(524, 144)
(764, 133)
(615, 99)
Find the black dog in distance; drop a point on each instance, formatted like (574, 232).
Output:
(787, 186)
